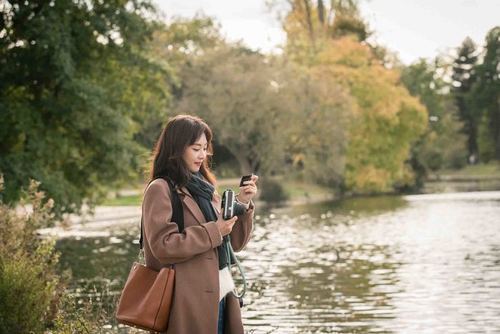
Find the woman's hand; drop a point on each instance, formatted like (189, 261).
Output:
(248, 190)
(225, 226)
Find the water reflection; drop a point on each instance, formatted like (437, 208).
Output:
(104, 257)
(347, 208)
(315, 281)
(425, 263)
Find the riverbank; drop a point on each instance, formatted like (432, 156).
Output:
(124, 209)
(490, 171)
(485, 177)
(298, 192)
(470, 178)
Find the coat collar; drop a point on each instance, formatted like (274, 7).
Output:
(193, 207)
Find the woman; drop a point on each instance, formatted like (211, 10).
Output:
(201, 302)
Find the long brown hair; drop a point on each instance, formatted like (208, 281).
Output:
(180, 132)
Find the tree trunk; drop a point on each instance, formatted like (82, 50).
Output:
(309, 20)
(245, 166)
(321, 12)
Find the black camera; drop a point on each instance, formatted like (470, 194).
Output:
(230, 206)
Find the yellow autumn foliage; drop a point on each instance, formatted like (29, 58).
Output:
(387, 118)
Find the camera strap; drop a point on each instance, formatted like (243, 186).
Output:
(229, 253)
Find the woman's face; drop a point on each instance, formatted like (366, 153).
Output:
(195, 154)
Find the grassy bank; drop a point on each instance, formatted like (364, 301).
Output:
(470, 172)
(300, 191)
(297, 191)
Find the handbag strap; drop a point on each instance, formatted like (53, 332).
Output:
(177, 210)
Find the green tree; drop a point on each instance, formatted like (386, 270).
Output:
(234, 89)
(75, 85)
(318, 112)
(347, 20)
(271, 116)
(175, 42)
(172, 47)
(463, 77)
(443, 145)
(485, 97)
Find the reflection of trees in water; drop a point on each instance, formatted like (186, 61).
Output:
(99, 268)
(90, 258)
(349, 295)
(298, 282)
(354, 207)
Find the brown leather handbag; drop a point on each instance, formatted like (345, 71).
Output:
(147, 296)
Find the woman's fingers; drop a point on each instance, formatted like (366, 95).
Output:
(252, 181)
(247, 186)
(230, 223)
(226, 226)
(232, 220)
(250, 187)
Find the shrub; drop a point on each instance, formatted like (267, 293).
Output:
(272, 191)
(32, 292)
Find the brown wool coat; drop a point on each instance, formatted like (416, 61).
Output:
(194, 252)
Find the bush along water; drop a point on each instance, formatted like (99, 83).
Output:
(273, 191)
(33, 294)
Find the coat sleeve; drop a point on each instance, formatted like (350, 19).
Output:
(167, 244)
(242, 229)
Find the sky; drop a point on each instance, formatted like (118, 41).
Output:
(411, 28)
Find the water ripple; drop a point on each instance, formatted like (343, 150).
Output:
(418, 264)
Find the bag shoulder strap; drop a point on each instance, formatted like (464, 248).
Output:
(177, 210)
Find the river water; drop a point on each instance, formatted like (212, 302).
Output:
(397, 264)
